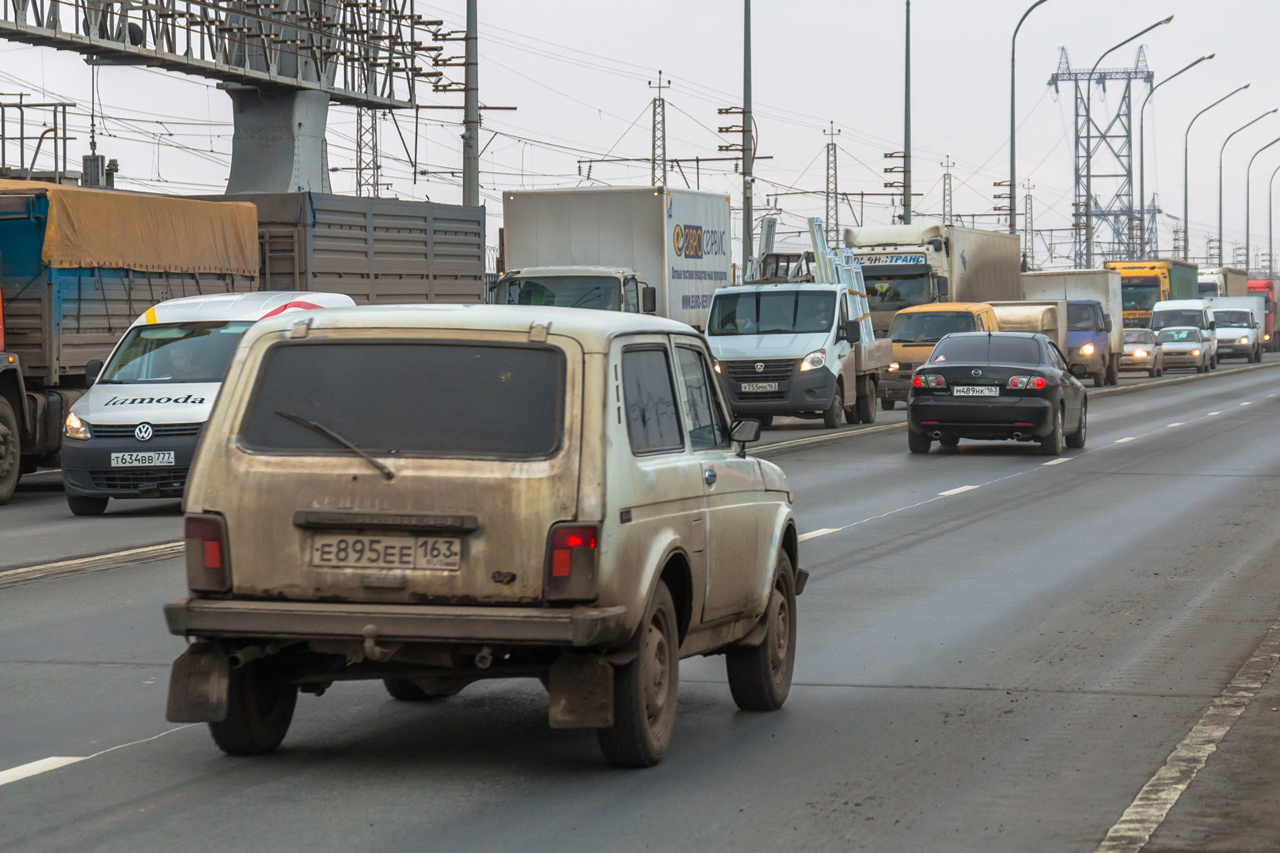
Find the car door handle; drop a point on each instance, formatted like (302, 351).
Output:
(709, 476)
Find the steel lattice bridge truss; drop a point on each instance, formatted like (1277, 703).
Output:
(363, 53)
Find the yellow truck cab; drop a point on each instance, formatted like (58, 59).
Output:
(915, 330)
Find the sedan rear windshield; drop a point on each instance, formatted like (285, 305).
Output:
(1138, 336)
(987, 349)
(434, 399)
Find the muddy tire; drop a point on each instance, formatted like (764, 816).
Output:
(10, 451)
(260, 705)
(644, 691)
(408, 690)
(760, 677)
(831, 417)
(1051, 444)
(87, 506)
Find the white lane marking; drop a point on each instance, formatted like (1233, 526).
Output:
(44, 765)
(1153, 803)
(1211, 414)
(949, 492)
(1126, 439)
(1176, 424)
(1055, 462)
(1247, 403)
(88, 564)
(35, 768)
(814, 534)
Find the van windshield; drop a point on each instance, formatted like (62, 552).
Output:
(175, 352)
(566, 291)
(772, 312)
(1180, 317)
(455, 399)
(1238, 319)
(928, 327)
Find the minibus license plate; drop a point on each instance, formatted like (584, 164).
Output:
(757, 387)
(977, 390)
(341, 551)
(141, 460)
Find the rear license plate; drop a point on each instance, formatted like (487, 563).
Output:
(341, 551)
(141, 460)
(757, 387)
(976, 390)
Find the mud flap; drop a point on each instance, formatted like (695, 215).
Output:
(581, 688)
(198, 685)
(757, 634)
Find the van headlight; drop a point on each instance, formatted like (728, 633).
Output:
(73, 427)
(1087, 349)
(1244, 341)
(814, 360)
(1195, 352)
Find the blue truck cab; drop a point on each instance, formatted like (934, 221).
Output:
(1089, 341)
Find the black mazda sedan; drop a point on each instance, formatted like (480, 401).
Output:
(996, 386)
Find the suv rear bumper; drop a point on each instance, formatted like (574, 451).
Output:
(570, 626)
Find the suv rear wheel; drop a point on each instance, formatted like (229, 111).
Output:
(260, 705)
(760, 676)
(644, 691)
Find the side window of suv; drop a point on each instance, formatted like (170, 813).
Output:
(707, 429)
(653, 422)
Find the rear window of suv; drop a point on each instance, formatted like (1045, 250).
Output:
(432, 399)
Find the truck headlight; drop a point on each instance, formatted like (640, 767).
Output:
(73, 427)
(814, 360)
(1087, 349)
(893, 365)
(1244, 341)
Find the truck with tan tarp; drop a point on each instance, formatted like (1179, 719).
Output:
(77, 266)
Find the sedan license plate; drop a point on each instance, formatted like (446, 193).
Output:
(757, 387)
(342, 551)
(142, 460)
(976, 390)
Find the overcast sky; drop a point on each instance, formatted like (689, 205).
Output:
(578, 72)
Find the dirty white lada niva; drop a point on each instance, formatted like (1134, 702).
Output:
(432, 495)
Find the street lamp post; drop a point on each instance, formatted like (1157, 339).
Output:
(1013, 125)
(1222, 151)
(1142, 155)
(1271, 232)
(1247, 188)
(1088, 139)
(1186, 140)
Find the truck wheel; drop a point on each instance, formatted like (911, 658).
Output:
(831, 417)
(866, 408)
(260, 707)
(408, 690)
(82, 505)
(1051, 444)
(1113, 373)
(888, 405)
(644, 691)
(760, 677)
(918, 442)
(10, 451)
(1213, 362)
(1100, 378)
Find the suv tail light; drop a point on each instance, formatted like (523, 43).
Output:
(1028, 382)
(928, 380)
(208, 558)
(571, 561)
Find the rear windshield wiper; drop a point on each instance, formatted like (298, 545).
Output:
(316, 426)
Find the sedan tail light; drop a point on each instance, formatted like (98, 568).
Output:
(208, 558)
(1028, 382)
(571, 561)
(928, 380)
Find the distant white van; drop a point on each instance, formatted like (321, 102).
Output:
(1196, 313)
(134, 432)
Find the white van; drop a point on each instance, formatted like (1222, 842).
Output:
(134, 432)
(1196, 313)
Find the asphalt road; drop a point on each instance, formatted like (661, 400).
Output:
(997, 652)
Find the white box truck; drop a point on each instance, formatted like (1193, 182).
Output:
(651, 250)
(1222, 281)
(1095, 316)
(906, 265)
(1240, 323)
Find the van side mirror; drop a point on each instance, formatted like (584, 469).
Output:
(1109, 325)
(944, 289)
(648, 299)
(851, 331)
(1213, 324)
(92, 370)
